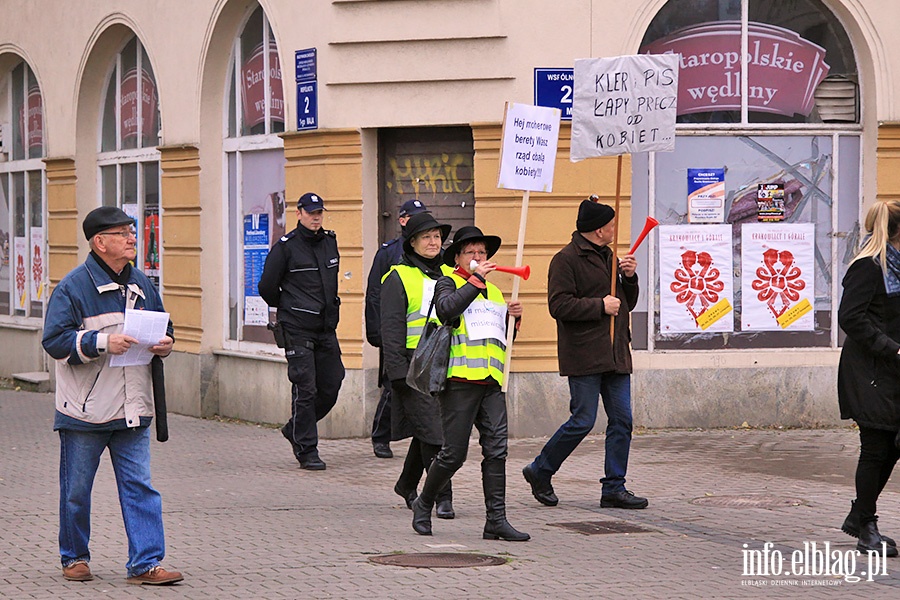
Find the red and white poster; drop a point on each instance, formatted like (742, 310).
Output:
(777, 276)
(253, 87)
(129, 104)
(38, 264)
(20, 260)
(696, 289)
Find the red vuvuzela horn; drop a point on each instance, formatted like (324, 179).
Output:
(524, 271)
(649, 224)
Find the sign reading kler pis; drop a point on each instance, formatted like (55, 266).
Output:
(783, 68)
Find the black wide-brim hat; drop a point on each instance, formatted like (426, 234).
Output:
(423, 222)
(466, 235)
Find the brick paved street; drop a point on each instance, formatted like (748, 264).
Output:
(243, 521)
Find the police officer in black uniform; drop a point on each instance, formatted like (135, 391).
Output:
(300, 279)
(387, 256)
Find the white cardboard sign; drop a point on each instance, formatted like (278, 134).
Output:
(624, 104)
(528, 153)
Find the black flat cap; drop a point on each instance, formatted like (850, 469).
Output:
(103, 218)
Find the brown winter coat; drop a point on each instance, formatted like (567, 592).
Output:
(578, 280)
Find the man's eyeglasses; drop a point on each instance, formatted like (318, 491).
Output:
(125, 234)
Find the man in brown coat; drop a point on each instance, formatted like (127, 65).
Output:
(578, 294)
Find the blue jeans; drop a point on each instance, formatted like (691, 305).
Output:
(586, 390)
(129, 451)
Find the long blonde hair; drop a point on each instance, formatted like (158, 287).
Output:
(883, 226)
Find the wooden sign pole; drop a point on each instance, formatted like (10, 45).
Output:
(614, 269)
(511, 321)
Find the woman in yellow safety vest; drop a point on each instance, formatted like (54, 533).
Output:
(478, 312)
(406, 293)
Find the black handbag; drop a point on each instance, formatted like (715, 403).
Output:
(427, 372)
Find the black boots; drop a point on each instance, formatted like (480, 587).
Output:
(872, 541)
(496, 527)
(435, 482)
(851, 525)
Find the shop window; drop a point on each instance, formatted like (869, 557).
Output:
(129, 158)
(258, 214)
(800, 61)
(731, 268)
(431, 164)
(23, 247)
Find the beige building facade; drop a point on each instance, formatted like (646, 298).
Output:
(190, 116)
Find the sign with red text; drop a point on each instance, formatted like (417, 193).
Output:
(624, 104)
(528, 150)
(784, 69)
(34, 120)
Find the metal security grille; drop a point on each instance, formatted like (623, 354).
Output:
(602, 527)
(749, 501)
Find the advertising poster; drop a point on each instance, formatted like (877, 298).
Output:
(696, 280)
(770, 202)
(256, 248)
(37, 264)
(777, 276)
(706, 195)
(151, 244)
(20, 260)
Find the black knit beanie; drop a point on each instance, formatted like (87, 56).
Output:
(593, 216)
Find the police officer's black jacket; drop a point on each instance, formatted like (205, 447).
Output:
(387, 256)
(300, 278)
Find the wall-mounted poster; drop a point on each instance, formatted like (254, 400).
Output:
(696, 289)
(37, 264)
(151, 244)
(770, 202)
(777, 276)
(20, 260)
(256, 248)
(706, 195)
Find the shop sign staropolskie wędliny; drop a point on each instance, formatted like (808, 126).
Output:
(784, 69)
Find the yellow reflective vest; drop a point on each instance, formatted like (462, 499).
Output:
(413, 280)
(476, 360)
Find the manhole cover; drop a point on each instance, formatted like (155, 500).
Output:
(438, 560)
(602, 527)
(749, 501)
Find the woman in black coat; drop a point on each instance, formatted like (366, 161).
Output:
(404, 306)
(869, 371)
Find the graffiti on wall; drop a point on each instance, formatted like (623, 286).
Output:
(434, 174)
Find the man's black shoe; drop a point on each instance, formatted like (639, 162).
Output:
(311, 462)
(541, 490)
(295, 447)
(382, 450)
(623, 499)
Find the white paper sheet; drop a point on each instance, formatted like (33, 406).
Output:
(148, 327)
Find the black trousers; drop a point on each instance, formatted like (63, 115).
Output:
(877, 457)
(381, 424)
(467, 404)
(316, 372)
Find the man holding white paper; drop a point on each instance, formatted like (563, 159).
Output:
(100, 406)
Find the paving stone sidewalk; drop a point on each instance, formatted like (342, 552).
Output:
(243, 521)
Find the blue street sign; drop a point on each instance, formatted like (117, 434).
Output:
(305, 64)
(307, 106)
(554, 88)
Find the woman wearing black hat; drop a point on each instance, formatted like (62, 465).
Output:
(478, 312)
(406, 294)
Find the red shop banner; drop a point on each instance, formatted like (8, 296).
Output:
(253, 87)
(35, 120)
(784, 69)
(129, 108)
